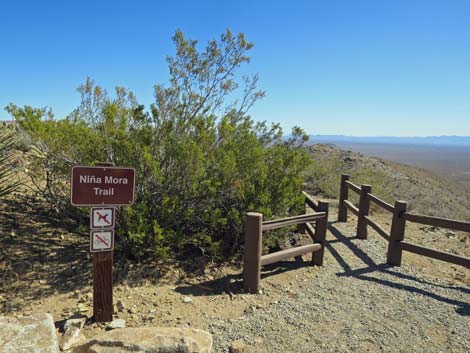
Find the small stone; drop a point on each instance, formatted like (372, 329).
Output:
(187, 300)
(8, 306)
(81, 307)
(237, 347)
(71, 338)
(117, 323)
(120, 306)
(450, 235)
(75, 321)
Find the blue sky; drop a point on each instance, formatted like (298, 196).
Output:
(378, 67)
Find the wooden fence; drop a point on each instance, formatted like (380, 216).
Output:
(396, 238)
(254, 228)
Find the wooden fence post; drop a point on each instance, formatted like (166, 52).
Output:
(320, 234)
(343, 195)
(364, 206)
(397, 234)
(252, 252)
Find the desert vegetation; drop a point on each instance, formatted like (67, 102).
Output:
(201, 161)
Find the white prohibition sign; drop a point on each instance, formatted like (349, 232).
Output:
(102, 217)
(101, 240)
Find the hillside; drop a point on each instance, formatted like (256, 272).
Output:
(426, 192)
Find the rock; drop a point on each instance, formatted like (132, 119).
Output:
(450, 235)
(117, 323)
(150, 339)
(75, 321)
(120, 306)
(8, 306)
(187, 300)
(82, 307)
(237, 347)
(30, 334)
(71, 338)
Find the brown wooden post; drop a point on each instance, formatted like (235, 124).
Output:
(103, 282)
(364, 206)
(343, 195)
(320, 234)
(252, 252)
(103, 286)
(301, 229)
(397, 234)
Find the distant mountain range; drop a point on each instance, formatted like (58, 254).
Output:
(429, 140)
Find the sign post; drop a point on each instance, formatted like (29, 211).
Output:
(105, 186)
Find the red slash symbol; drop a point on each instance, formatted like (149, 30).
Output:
(103, 217)
(102, 240)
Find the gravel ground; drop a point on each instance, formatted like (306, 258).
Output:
(356, 303)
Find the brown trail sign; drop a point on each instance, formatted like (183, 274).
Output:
(103, 185)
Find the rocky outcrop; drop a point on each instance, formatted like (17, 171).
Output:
(32, 334)
(150, 340)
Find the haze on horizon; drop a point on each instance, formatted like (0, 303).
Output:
(389, 68)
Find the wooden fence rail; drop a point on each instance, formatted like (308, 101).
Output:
(254, 227)
(396, 243)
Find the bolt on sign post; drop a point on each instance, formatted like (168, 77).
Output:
(104, 187)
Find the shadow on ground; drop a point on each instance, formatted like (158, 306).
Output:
(38, 255)
(233, 284)
(364, 274)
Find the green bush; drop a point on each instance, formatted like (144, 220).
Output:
(201, 161)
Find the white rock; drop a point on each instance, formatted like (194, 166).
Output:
(117, 323)
(71, 338)
(75, 321)
(150, 339)
(31, 334)
(187, 300)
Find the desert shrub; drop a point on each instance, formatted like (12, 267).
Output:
(201, 161)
